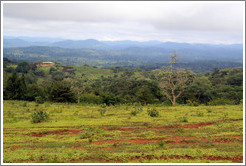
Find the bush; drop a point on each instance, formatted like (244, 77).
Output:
(102, 111)
(39, 116)
(24, 104)
(136, 111)
(39, 100)
(161, 144)
(153, 112)
(183, 118)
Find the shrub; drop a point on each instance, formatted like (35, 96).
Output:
(39, 116)
(183, 119)
(90, 140)
(39, 100)
(103, 105)
(24, 104)
(153, 112)
(209, 110)
(102, 111)
(161, 144)
(136, 111)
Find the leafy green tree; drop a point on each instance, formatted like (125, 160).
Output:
(201, 89)
(61, 92)
(23, 67)
(144, 95)
(16, 87)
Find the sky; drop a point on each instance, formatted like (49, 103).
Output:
(187, 21)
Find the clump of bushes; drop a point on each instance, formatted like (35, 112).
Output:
(153, 112)
(39, 116)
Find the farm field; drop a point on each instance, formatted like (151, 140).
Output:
(122, 134)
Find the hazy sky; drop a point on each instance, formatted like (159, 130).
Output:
(193, 22)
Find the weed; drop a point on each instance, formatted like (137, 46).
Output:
(39, 100)
(209, 110)
(102, 111)
(90, 140)
(152, 112)
(10, 114)
(161, 144)
(76, 113)
(103, 105)
(179, 130)
(39, 116)
(225, 116)
(183, 118)
(115, 145)
(207, 144)
(90, 132)
(24, 104)
(200, 114)
(136, 111)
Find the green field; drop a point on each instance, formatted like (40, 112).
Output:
(81, 134)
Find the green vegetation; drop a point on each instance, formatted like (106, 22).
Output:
(39, 116)
(79, 134)
(66, 114)
(93, 85)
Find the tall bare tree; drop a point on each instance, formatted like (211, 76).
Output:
(174, 82)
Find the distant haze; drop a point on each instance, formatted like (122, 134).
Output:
(191, 22)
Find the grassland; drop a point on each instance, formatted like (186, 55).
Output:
(80, 134)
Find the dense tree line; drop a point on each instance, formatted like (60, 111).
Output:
(25, 81)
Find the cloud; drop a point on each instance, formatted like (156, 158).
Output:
(135, 20)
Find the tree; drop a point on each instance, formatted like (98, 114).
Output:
(79, 85)
(201, 89)
(144, 95)
(23, 67)
(61, 92)
(174, 82)
(15, 87)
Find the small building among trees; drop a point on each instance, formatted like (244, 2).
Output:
(45, 64)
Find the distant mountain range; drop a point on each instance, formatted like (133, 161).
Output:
(117, 53)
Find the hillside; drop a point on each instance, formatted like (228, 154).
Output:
(151, 54)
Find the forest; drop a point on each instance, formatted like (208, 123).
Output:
(120, 85)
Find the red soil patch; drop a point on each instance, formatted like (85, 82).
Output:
(235, 159)
(10, 133)
(171, 139)
(175, 139)
(226, 140)
(196, 125)
(23, 147)
(70, 132)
